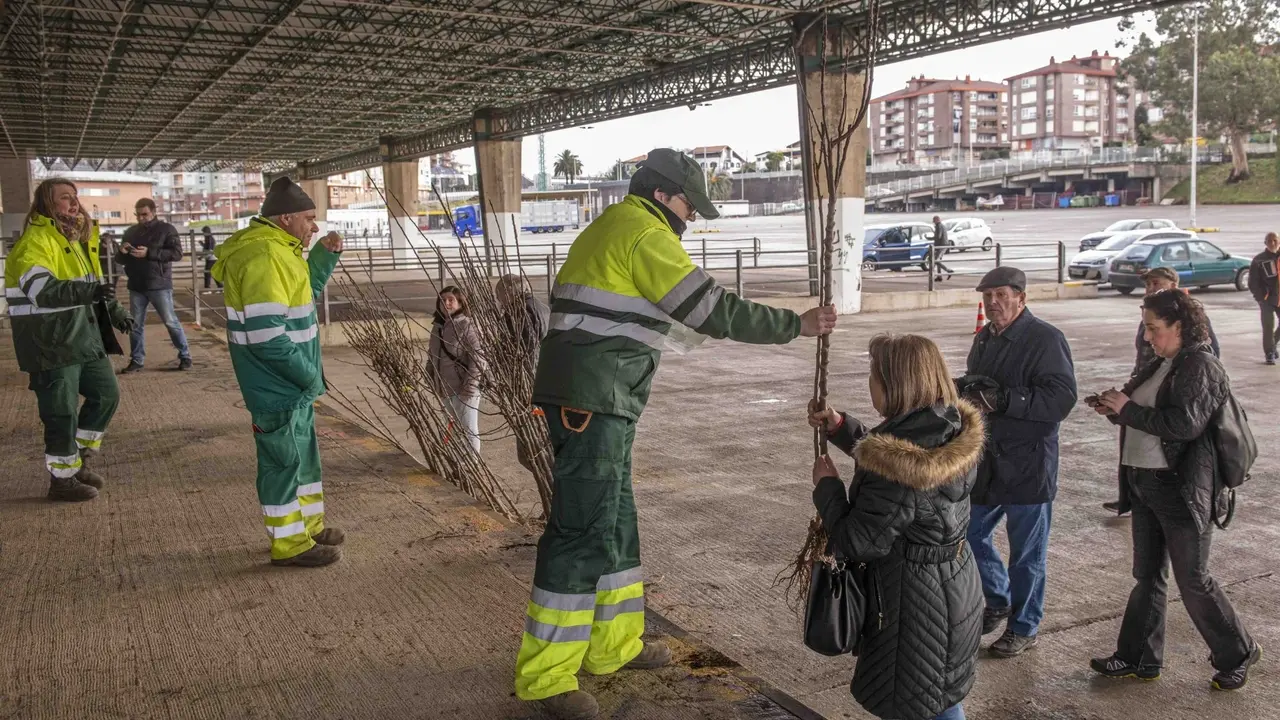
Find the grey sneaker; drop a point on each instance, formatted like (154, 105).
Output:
(573, 705)
(993, 618)
(654, 655)
(1011, 645)
(184, 363)
(1238, 677)
(131, 368)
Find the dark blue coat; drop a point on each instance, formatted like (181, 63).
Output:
(1032, 361)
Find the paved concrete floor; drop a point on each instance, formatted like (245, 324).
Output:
(722, 467)
(157, 601)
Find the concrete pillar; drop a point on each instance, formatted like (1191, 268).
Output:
(16, 188)
(498, 171)
(400, 180)
(318, 191)
(1111, 184)
(843, 97)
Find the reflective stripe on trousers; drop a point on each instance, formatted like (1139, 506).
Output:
(587, 605)
(289, 486)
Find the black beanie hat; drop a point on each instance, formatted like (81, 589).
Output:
(284, 197)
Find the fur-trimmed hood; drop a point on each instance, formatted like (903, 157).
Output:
(899, 460)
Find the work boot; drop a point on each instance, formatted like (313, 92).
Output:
(992, 617)
(654, 655)
(329, 536)
(70, 490)
(1011, 645)
(317, 556)
(573, 705)
(89, 477)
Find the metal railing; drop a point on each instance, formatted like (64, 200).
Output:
(1001, 168)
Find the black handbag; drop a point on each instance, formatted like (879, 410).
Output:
(108, 333)
(836, 608)
(1235, 450)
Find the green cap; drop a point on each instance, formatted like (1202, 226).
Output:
(685, 172)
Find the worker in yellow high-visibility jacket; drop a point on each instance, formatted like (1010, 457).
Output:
(625, 283)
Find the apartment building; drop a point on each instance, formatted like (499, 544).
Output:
(934, 120)
(717, 158)
(1074, 105)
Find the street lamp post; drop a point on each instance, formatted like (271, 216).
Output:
(1195, 110)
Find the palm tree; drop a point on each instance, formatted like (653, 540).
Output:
(773, 161)
(567, 166)
(721, 187)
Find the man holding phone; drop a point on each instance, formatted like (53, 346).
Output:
(148, 251)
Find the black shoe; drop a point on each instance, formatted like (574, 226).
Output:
(992, 619)
(1114, 667)
(1117, 507)
(132, 367)
(1236, 678)
(1270, 360)
(184, 363)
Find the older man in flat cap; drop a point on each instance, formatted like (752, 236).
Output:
(270, 292)
(1020, 373)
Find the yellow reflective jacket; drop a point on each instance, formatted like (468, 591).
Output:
(49, 282)
(626, 280)
(270, 293)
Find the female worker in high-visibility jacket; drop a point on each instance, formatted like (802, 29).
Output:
(54, 287)
(625, 283)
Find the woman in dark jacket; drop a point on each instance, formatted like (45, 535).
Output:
(906, 517)
(1169, 465)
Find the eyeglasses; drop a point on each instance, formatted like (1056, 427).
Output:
(693, 212)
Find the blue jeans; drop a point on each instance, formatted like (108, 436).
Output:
(163, 302)
(955, 712)
(1021, 587)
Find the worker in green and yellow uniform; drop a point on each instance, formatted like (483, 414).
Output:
(625, 283)
(54, 287)
(270, 293)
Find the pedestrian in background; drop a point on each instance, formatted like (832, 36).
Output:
(1157, 279)
(107, 259)
(1168, 456)
(55, 292)
(208, 244)
(274, 343)
(457, 364)
(524, 315)
(940, 245)
(905, 515)
(148, 251)
(1264, 284)
(1022, 377)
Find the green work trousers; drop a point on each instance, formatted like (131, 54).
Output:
(69, 427)
(587, 608)
(289, 479)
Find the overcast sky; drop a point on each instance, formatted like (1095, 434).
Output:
(769, 120)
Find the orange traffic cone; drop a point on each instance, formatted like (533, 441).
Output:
(982, 320)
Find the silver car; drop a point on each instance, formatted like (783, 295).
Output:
(1092, 240)
(1094, 264)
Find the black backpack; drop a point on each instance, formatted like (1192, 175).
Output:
(1235, 451)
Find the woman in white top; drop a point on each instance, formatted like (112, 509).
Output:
(1168, 458)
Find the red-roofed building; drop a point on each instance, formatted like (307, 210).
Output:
(1072, 105)
(934, 120)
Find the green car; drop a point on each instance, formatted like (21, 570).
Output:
(1199, 263)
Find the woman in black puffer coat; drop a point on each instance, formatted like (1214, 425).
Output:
(905, 516)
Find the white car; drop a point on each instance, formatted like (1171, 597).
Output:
(1094, 264)
(1092, 240)
(968, 233)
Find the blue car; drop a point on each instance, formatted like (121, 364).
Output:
(896, 246)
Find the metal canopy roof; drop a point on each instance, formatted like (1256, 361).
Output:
(338, 85)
